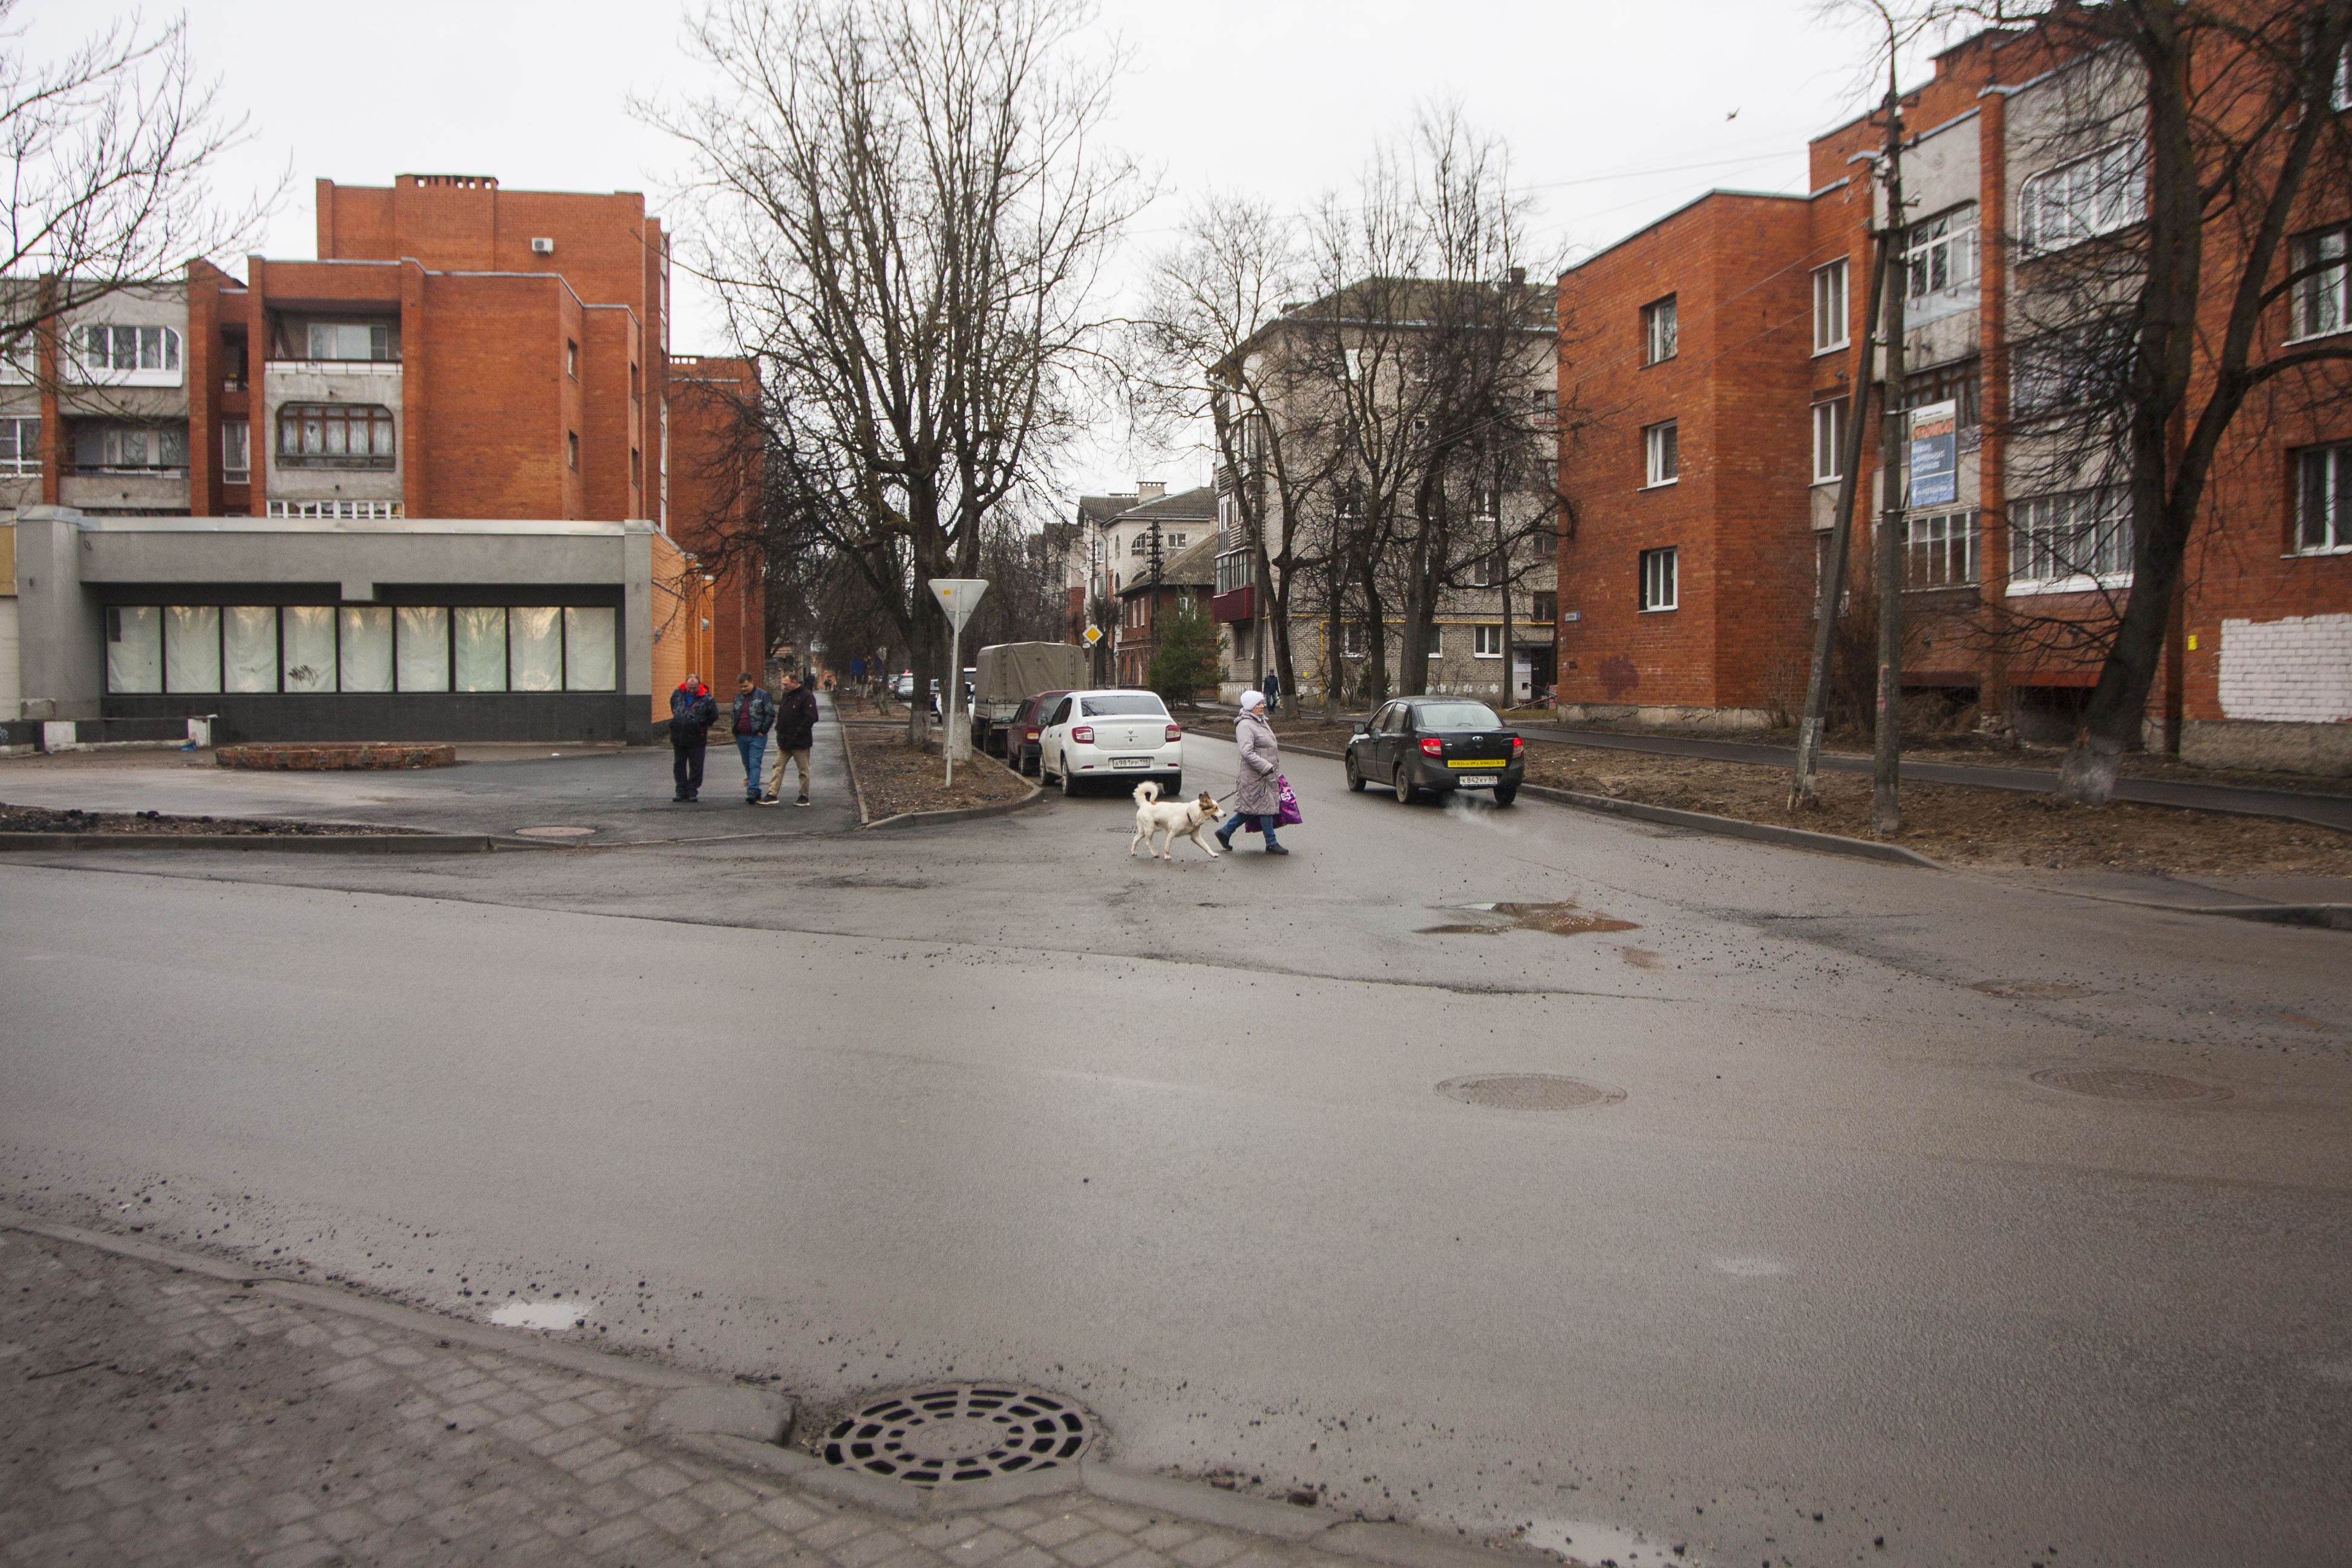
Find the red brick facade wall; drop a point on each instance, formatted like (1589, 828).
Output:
(714, 472)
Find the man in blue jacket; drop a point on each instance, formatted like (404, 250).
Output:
(755, 715)
(691, 714)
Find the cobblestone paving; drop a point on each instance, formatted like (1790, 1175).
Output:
(159, 1417)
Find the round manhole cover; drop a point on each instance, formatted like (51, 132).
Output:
(1528, 1091)
(964, 1432)
(2126, 1083)
(555, 832)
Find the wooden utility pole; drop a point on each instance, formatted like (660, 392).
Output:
(1886, 749)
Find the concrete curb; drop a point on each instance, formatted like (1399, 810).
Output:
(1704, 822)
(2330, 917)
(848, 764)
(1394, 1545)
(288, 843)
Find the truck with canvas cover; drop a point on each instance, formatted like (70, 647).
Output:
(1010, 672)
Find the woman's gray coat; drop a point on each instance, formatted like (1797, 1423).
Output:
(1256, 793)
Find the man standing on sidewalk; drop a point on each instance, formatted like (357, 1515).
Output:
(755, 715)
(795, 733)
(691, 714)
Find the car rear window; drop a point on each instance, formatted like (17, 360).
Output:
(1456, 716)
(1122, 704)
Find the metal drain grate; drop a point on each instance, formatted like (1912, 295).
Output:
(963, 1432)
(2126, 1083)
(1528, 1091)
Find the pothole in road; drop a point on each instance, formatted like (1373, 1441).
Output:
(2126, 1083)
(555, 832)
(959, 1432)
(1561, 920)
(2032, 990)
(1528, 1091)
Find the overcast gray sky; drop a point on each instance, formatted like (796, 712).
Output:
(1615, 112)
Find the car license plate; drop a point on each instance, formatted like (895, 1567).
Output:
(1476, 779)
(1130, 762)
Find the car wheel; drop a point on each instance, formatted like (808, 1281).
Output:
(1505, 793)
(1405, 791)
(1030, 764)
(1355, 779)
(1174, 787)
(1069, 782)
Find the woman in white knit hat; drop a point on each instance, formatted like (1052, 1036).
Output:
(1256, 793)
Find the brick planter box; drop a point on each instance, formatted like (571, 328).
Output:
(324, 756)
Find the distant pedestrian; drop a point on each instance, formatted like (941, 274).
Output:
(1257, 793)
(691, 714)
(1273, 690)
(755, 715)
(796, 718)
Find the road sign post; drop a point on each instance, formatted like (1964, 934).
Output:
(958, 597)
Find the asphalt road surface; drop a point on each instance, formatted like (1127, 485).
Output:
(997, 1101)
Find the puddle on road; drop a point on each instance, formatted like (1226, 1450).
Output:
(552, 1315)
(1561, 920)
(1594, 1544)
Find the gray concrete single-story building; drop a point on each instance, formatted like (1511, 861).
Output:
(378, 628)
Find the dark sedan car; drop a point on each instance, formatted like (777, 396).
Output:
(1028, 723)
(1434, 745)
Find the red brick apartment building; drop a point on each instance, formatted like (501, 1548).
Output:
(1716, 348)
(456, 350)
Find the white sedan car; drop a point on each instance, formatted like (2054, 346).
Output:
(1093, 735)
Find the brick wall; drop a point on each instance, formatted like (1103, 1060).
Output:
(2295, 670)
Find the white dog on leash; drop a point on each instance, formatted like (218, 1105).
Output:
(1171, 821)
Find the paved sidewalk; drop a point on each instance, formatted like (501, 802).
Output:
(162, 1417)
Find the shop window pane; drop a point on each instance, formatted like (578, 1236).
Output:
(249, 647)
(192, 651)
(423, 648)
(134, 649)
(310, 647)
(482, 642)
(589, 664)
(367, 648)
(537, 650)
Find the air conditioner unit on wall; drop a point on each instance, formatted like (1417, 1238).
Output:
(543, 247)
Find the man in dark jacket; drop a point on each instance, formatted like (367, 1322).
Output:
(691, 714)
(795, 733)
(755, 715)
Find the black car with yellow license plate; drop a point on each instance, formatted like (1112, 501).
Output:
(1435, 745)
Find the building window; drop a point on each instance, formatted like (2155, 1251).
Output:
(571, 358)
(359, 647)
(1486, 642)
(1942, 551)
(636, 469)
(351, 341)
(1829, 441)
(2070, 542)
(20, 445)
(1658, 580)
(334, 435)
(236, 451)
(2084, 198)
(1351, 639)
(572, 449)
(2087, 366)
(117, 447)
(1437, 642)
(1829, 306)
(2316, 301)
(338, 511)
(634, 392)
(1487, 570)
(1658, 335)
(125, 356)
(1546, 607)
(1661, 454)
(1955, 383)
(2324, 501)
(1941, 252)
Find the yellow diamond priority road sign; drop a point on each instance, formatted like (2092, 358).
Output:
(1093, 635)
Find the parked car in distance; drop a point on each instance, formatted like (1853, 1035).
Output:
(1435, 745)
(1118, 733)
(1026, 728)
(902, 685)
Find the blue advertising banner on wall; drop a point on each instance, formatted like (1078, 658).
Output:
(1936, 454)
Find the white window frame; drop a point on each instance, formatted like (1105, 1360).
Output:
(1939, 254)
(1661, 331)
(1832, 329)
(1660, 581)
(380, 346)
(2036, 567)
(1829, 440)
(236, 451)
(2332, 465)
(1351, 639)
(1487, 640)
(1934, 542)
(1662, 461)
(2083, 197)
(2319, 306)
(335, 510)
(1437, 642)
(23, 464)
(138, 340)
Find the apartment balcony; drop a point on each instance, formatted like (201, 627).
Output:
(1240, 605)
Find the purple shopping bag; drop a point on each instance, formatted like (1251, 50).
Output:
(1288, 816)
